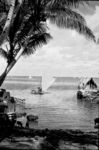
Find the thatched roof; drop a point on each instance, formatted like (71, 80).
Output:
(88, 82)
(91, 82)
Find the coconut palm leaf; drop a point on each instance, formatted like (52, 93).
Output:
(30, 22)
(66, 12)
(42, 14)
(26, 24)
(74, 2)
(63, 15)
(35, 41)
(42, 37)
(67, 3)
(54, 2)
(24, 30)
(41, 28)
(70, 23)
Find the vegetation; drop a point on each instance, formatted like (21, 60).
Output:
(23, 24)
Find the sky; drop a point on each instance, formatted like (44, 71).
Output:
(67, 54)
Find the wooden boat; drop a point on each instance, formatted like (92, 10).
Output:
(45, 83)
(38, 91)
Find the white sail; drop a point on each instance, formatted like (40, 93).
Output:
(47, 81)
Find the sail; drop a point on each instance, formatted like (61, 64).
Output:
(47, 81)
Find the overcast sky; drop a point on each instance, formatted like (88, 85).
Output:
(67, 54)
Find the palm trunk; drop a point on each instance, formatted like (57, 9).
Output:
(15, 60)
(3, 76)
(5, 73)
(10, 66)
(8, 21)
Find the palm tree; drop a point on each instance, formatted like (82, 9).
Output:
(24, 26)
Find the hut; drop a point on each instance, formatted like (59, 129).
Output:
(91, 84)
(87, 84)
(87, 88)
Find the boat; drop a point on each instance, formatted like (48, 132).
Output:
(37, 91)
(88, 89)
(45, 83)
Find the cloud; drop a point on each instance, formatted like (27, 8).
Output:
(90, 8)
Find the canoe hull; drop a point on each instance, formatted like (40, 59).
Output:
(89, 95)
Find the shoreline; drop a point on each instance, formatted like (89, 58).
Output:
(56, 139)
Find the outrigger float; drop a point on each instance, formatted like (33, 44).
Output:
(88, 89)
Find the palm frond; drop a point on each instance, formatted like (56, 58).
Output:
(29, 30)
(25, 28)
(65, 12)
(31, 20)
(74, 3)
(67, 3)
(36, 41)
(3, 53)
(42, 37)
(28, 51)
(70, 23)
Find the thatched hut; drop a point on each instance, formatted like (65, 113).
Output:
(87, 88)
(91, 83)
(87, 83)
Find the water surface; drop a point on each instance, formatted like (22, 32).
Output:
(59, 107)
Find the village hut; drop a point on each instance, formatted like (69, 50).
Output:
(87, 84)
(91, 83)
(87, 88)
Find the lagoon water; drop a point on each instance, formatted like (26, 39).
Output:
(59, 107)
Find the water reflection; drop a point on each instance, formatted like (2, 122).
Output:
(90, 105)
(89, 111)
(61, 109)
(33, 124)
